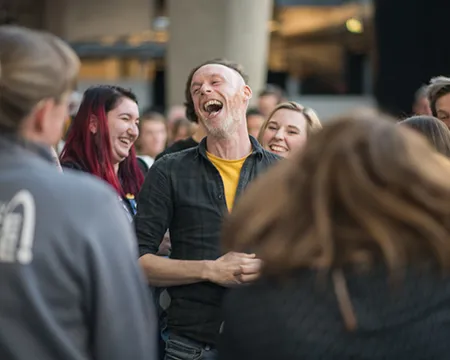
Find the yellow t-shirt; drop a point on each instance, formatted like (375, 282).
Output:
(230, 171)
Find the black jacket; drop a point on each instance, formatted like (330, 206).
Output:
(300, 319)
(184, 192)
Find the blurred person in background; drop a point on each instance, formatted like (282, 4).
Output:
(190, 192)
(181, 130)
(287, 128)
(175, 112)
(188, 143)
(101, 141)
(421, 105)
(355, 250)
(152, 137)
(433, 129)
(255, 119)
(70, 287)
(269, 98)
(74, 104)
(438, 92)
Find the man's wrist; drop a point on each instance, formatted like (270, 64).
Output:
(207, 270)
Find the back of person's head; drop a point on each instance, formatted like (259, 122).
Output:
(37, 73)
(189, 103)
(421, 92)
(362, 192)
(421, 104)
(272, 90)
(439, 86)
(253, 111)
(93, 149)
(152, 116)
(269, 98)
(433, 129)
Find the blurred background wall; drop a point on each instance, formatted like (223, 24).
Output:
(331, 55)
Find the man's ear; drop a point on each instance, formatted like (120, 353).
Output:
(93, 124)
(247, 92)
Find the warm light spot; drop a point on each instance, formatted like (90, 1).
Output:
(354, 26)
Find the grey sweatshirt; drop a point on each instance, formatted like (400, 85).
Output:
(70, 285)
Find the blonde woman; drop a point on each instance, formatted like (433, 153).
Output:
(287, 128)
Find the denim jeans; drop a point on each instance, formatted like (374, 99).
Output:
(180, 348)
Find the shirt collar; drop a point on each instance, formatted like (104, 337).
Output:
(256, 147)
(11, 142)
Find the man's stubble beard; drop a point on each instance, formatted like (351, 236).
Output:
(226, 129)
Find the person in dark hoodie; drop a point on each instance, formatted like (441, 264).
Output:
(70, 286)
(354, 237)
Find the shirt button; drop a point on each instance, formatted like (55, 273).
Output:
(220, 197)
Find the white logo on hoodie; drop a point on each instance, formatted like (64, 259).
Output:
(17, 228)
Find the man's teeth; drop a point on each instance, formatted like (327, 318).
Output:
(211, 102)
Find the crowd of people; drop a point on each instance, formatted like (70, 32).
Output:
(219, 231)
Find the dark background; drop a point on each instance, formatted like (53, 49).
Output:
(412, 45)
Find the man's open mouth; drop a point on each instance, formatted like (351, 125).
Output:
(212, 107)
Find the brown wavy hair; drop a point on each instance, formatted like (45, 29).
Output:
(437, 133)
(362, 192)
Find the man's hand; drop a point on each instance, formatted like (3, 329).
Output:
(165, 246)
(234, 269)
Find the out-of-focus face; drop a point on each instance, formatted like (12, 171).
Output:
(443, 109)
(220, 98)
(422, 106)
(286, 132)
(153, 137)
(266, 104)
(183, 132)
(254, 123)
(123, 122)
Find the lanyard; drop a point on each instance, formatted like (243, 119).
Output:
(129, 204)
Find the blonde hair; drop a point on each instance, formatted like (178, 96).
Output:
(312, 120)
(34, 66)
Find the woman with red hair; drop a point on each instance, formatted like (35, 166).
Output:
(101, 141)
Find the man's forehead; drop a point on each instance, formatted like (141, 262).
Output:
(215, 69)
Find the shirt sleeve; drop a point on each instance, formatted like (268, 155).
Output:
(154, 208)
(122, 315)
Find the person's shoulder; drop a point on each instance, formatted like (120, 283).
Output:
(144, 163)
(73, 187)
(177, 146)
(177, 157)
(184, 144)
(69, 164)
(270, 156)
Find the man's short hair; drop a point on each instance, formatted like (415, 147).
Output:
(190, 110)
(438, 87)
